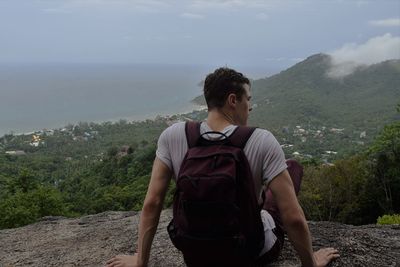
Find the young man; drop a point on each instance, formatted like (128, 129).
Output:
(227, 94)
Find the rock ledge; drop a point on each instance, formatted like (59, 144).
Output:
(91, 240)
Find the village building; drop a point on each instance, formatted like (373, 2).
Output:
(16, 153)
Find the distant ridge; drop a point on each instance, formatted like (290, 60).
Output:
(305, 94)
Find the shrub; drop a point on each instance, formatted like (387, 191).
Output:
(389, 219)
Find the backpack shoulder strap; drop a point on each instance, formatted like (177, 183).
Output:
(192, 130)
(241, 135)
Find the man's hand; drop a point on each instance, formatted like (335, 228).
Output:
(123, 261)
(325, 255)
(149, 217)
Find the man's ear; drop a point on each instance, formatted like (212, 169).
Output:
(231, 100)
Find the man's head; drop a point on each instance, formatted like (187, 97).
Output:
(222, 82)
(228, 91)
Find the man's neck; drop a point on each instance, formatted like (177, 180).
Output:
(218, 119)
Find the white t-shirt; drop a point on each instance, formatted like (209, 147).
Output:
(263, 152)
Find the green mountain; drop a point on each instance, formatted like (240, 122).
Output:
(305, 95)
(316, 116)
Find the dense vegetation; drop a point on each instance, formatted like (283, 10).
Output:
(350, 176)
(359, 189)
(354, 190)
(77, 170)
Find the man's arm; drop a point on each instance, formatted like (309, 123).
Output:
(152, 206)
(295, 223)
(149, 218)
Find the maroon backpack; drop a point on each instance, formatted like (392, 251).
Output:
(216, 216)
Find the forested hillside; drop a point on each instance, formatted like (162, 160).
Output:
(306, 94)
(345, 131)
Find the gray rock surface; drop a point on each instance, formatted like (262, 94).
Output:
(91, 240)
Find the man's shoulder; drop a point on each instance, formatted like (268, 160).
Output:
(177, 126)
(262, 134)
(174, 131)
(262, 139)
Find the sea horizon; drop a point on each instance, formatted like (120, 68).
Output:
(50, 96)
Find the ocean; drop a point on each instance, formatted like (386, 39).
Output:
(48, 96)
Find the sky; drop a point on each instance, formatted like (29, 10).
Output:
(237, 32)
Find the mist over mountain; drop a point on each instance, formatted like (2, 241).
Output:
(348, 58)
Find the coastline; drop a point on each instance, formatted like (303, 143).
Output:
(192, 107)
(152, 116)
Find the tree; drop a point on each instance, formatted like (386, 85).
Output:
(335, 193)
(25, 181)
(23, 208)
(384, 159)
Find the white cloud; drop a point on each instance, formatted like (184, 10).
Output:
(392, 22)
(362, 3)
(276, 59)
(192, 16)
(228, 4)
(262, 16)
(213, 4)
(279, 59)
(58, 10)
(128, 37)
(346, 59)
(297, 59)
(64, 6)
(156, 38)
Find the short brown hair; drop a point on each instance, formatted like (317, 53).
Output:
(222, 82)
